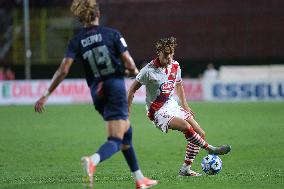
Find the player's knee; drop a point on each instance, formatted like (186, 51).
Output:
(116, 142)
(182, 126)
(201, 133)
(191, 129)
(188, 126)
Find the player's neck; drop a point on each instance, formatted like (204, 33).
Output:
(158, 63)
(93, 23)
(164, 66)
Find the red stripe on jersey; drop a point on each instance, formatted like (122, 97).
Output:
(173, 72)
(163, 97)
(157, 63)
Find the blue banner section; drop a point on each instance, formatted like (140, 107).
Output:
(242, 90)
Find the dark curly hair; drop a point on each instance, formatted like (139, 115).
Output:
(167, 45)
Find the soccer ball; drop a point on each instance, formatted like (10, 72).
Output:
(211, 164)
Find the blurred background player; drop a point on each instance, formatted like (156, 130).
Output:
(101, 50)
(9, 74)
(161, 77)
(6, 74)
(210, 73)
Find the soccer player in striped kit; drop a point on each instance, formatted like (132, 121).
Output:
(103, 53)
(161, 77)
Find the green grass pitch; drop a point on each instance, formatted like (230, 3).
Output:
(44, 151)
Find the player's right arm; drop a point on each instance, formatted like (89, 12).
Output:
(129, 64)
(141, 79)
(57, 78)
(133, 88)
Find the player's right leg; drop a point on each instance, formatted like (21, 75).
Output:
(195, 138)
(191, 152)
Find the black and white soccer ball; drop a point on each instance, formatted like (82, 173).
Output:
(211, 164)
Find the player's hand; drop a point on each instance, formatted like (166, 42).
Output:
(39, 105)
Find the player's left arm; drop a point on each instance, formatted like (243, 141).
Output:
(57, 78)
(181, 95)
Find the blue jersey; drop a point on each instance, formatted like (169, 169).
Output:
(99, 49)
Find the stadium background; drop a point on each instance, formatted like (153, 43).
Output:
(43, 151)
(226, 32)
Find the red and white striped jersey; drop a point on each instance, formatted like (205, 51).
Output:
(160, 84)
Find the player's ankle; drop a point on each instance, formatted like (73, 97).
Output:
(210, 148)
(185, 166)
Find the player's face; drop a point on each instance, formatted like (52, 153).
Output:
(166, 58)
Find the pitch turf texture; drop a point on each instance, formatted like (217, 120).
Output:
(43, 151)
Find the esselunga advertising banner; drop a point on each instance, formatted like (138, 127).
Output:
(72, 91)
(241, 90)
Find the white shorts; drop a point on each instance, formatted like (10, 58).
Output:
(169, 110)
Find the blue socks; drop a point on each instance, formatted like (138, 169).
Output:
(129, 154)
(109, 148)
(130, 157)
(113, 145)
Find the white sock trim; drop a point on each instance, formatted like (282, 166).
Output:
(137, 175)
(95, 158)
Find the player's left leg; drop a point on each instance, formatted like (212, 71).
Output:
(174, 117)
(116, 130)
(130, 157)
(195, 138)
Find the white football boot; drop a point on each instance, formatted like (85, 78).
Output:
(88, 172)
(188, 173)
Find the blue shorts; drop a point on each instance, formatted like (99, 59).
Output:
(110, 99)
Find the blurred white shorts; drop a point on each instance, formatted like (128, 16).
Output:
(169, 110)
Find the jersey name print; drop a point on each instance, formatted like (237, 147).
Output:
(98, 48)
(91, 40)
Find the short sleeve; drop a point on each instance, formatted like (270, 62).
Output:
(72, 49)
(120, 42)
(142, 76)
(179, 79)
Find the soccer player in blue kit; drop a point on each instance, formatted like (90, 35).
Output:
(101, 50)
